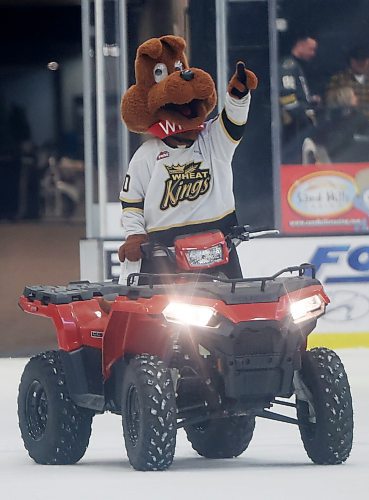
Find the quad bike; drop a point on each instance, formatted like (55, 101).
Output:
(200, 351)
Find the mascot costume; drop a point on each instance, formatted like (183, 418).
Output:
(180, 180)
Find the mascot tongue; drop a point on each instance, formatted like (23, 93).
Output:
(165, 128)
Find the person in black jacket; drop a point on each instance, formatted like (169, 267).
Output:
(297, 103)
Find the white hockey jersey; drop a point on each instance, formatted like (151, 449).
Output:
(171, 191)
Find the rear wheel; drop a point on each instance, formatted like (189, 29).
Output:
(149, 414)
(221, 438)
(53, 428)
(326, 420)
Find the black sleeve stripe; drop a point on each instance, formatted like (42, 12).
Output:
(235, 131)
(139, 205)
(238, 93)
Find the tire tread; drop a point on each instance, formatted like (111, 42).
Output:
(67, 441)
(158, 440)
(325, 376)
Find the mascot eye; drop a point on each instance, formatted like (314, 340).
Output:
(160, 72)
(178, 66)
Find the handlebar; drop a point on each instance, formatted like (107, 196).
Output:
(237, 235)
(242, 233)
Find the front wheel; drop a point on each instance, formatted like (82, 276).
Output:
(53, 428)
(149, 413)
(325, 418)
(221, 438)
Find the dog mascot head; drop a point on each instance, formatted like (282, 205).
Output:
(169, 97)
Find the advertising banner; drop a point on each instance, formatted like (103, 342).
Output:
(325, 198)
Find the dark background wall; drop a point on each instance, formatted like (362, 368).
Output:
(31, 36)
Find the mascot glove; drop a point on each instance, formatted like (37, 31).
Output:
(242, 81)
(131, 249)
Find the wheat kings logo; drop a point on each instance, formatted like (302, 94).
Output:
(186, 182)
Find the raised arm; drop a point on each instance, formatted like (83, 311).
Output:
(228, 128)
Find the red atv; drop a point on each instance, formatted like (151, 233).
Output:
(199, 351)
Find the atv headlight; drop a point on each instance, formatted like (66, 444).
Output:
(308, 308)
(188, 314)
(205, 257)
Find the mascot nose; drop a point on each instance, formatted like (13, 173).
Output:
(187, 75)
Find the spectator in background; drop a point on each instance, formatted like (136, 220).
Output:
(343, 130)
(27, 189)
(9, 163)
(20, 185)
(355, 76)
(297, 104)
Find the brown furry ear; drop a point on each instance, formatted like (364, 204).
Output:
(152, 48)
(177, 43)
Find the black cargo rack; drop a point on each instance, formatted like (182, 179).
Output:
(156, 279)
(73, 292)
(85, 290)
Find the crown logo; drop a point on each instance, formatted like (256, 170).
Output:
(188, 168)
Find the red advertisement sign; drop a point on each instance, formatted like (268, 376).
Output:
(325, 198)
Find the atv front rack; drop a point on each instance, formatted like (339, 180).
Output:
(84, 290)
(75, 291)
(157, 279)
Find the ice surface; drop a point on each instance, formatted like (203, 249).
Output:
(275, 466)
